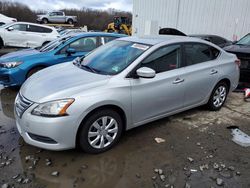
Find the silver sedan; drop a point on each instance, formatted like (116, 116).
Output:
(128, 82)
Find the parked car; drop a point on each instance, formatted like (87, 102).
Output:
(16, 67)
(5, 19)
(126, 83)
(171, 31)
(24, 34)
(242, 50)
(219, 41)
(56, 17)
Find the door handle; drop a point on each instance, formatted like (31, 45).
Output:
(178, 80)
(213, 72)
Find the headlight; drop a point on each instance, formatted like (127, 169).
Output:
(11, 64)
(53, 108)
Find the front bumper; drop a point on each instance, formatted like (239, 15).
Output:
(12, 77)
(52, 133)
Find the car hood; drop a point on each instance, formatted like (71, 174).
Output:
(238, 49)
(19, 55)
(59, 82)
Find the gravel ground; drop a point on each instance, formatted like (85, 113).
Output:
(195, 150)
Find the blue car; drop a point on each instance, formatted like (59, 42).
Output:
(16, 67)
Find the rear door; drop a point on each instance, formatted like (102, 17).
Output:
(165, 92)
(201, 72)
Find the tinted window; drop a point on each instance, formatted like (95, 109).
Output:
(19, 27)
(198, 53)
(52, 14)
(164, 59)
(59, 14)
(218, 40)
(86, 44)
(37, 29)
(108, 39)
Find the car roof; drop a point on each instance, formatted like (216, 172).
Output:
(157, 39)
(98, 34)
(34, 24)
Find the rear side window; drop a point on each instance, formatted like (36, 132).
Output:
(105, 40)
(59, 14)
(85, 44)
(164, 59)
(38, 29)
(198, 53)
(218, 40)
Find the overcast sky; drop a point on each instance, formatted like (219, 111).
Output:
(124, 5)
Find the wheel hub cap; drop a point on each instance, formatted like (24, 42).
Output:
(102, 132)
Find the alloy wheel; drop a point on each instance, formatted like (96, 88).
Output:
(219, 96)
(102, 132)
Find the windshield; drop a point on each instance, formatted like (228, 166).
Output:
(54, 44)
(245, 40)
(113, 57)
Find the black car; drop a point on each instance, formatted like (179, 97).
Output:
(219, 41)
(242, 50)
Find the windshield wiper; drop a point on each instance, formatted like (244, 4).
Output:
(89, 68)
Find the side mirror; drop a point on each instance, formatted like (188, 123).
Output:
(70, 51)
(10, 28)
(145, 72)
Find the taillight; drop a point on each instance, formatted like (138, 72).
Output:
(238, 62)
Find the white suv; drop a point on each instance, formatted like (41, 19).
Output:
(5, 19)
(23, 34)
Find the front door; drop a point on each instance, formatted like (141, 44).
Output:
(162, 94)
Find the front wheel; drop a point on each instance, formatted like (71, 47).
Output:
(218, 96)
(100, 131)
(33, 71)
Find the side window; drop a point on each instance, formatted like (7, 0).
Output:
(199, 53)
(164, 59)
(19, 27)
(86, 44)
(59, 14)
(38, 29)
(52, 14)
(218, 40)
(104, 40)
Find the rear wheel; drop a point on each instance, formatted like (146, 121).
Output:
(100, 131)
(70, 21)
(33, 71)
(218, 96)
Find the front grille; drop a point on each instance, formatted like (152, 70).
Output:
(42, 138)
(4, 78)
(21, 105)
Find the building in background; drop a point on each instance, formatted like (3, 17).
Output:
(227, 18)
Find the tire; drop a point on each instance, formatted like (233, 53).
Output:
(45, 43)
(218, 96)
(33, 71)
(70, 21)
(45, 21)
(1, 43)
(94, 124)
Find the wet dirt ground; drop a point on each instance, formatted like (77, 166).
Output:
(197, 152)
